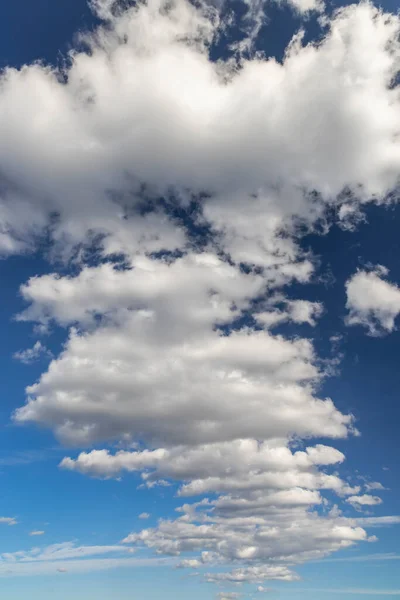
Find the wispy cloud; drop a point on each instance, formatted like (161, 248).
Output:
(8, 521)
(364, 557)
(356, 591)
(68, 557)
(31, 355)
(20, 569)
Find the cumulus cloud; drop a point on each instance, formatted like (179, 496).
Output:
(253, 575)
(144, 515)
(372, 301)
(184, 380)
(211, 460)
(189, 180)
(359, 502)
(89, 138)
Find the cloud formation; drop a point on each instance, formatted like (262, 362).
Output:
(372, 301)
(30, 355)
(68, 557)
(179, 186)
(8, 521)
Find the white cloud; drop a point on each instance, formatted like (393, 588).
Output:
(306, 6)
(8, 521)
(374, 485)
(30, 355)
(372, 301)
(230, 531)
(182, 381)
(298, 311)
(61, 551)
(227, 459)
(144, 515)
(154, 351)
(378, 521)
(38, 532)
(82, 149)
(253, 575)
(189, 563)
(364, 500)
(228, 595)
(357, 591)
(68, 558)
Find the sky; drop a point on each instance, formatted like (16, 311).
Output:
(200, 299)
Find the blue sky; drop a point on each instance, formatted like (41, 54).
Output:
(199, 301)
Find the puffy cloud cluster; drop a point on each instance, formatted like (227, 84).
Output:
(159, 368)
(211, 462)
(199, 173)
(147, 109)
(284, 533)
(372, 301)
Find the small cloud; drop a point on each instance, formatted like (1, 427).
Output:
(365, 500)
(190, 563)
(30, 355)
(374, 485)
(8, 521)
(144, 515)
(61, 570)
(37, 533)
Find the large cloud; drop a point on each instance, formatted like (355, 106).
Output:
(148, 106)
(160, 371)
(141, 145)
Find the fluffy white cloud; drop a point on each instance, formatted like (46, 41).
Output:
(253, 575)
(364, 500)
(145, 127)
(298, 311)
(82, 143)
(174, 377)
(372, 301)
(228, 530)
(212, 460)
